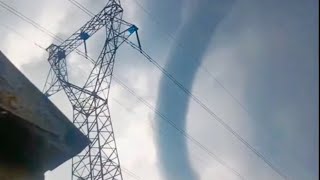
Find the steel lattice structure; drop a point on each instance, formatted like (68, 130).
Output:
(99, 161)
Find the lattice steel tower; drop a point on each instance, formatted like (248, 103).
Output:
(99, 161)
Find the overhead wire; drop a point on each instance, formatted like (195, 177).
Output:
(181, 131)
(180, 45)
(185, 90)
(205, 107)
(28, 20)
(225, 125)
(81, 7)
(35, 24)
(211, 113)
(8, 28)
(192, 140)
(127, 171)
(162, 133)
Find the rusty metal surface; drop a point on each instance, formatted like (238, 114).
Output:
(19, 97)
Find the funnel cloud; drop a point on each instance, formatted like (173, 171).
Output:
(183, 63)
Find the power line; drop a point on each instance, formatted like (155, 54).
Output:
(21, 36)
(187, 92)
(180, 45)
(170, 122)
(195, 59)
(87, 11)
(35, 24)
(182, 132)
(161, 133)
(127, 171)
(28, 20)
(189, 137)
(130, 173)
(81, 7)
(194, 141)
(208, 110)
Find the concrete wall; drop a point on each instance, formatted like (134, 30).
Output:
(15, 172)
(34, 135)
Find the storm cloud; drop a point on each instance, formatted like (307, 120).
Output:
(264, 52)
(195, 36)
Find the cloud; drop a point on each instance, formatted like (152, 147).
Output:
(24, 52)
(265, 53)
(268, 53)
(172, 149)
(130, 130)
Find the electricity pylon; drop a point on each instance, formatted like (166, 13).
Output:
(99, 161)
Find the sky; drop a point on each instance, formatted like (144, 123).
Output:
(254, 63)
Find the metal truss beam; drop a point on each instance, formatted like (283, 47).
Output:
(91, 114)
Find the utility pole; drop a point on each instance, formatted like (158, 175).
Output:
(91, 114)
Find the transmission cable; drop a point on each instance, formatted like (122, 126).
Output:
(181, 131)
(180, 45)
(206, 108)
(225, 125)
(81, 7)
(8, 28)
(184, 133)
(34, 24)
(127, 171)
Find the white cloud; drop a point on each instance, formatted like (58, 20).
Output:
(134, 133)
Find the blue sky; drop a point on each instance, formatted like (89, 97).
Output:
(265, 53)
